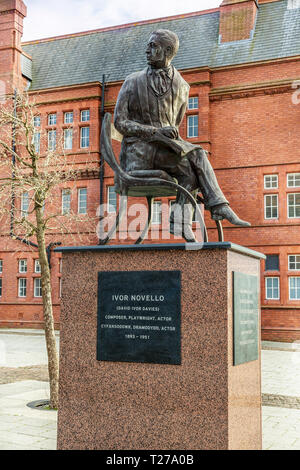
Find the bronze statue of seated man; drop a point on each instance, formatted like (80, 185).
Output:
(150, 107)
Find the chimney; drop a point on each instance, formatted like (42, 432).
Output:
(237, 20)
(12, 13)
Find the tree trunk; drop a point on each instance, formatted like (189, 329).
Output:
(53, 361)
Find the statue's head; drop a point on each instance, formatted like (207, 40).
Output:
(161, 48)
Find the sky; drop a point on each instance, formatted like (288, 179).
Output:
(58, 17)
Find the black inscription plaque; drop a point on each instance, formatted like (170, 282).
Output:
(139, 317)
(246, 314)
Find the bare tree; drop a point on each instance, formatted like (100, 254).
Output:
(34, 169)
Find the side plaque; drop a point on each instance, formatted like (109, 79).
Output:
(139, 317)
(246, 314)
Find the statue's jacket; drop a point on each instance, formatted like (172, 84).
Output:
(138, 111)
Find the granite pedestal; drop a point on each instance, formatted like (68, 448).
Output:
(205, 402)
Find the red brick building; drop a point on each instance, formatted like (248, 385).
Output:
(242, 61)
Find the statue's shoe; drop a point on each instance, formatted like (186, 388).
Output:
(185, 231)
(225, 212)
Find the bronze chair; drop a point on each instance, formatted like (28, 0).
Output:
(144, 183)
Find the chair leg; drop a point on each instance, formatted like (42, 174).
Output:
(220, 230)
(148, 223)
(122, 210)
(197, 211)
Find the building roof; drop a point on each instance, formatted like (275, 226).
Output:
(84, 58)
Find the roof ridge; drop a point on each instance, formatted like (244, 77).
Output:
(122, 26)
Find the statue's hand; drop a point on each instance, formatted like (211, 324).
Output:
(170, 132)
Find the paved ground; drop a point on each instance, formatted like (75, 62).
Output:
(23, 378)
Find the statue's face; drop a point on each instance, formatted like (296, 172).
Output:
(157, 52)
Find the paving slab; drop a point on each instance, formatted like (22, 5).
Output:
(24, 428)
(18, 350)
(21, 427)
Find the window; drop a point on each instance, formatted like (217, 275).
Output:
(192, 126)
(272, 263)
(272, 288)
(0, 286)
(271, 206)
(22, 287)
(1, 266)
(193, 102)
(82, 201)
(294, 262)
(85, 115)
(23, 266)
(52, 119)
(294, 205)
(156, 219)
(25, 204)
(37, 141)
(37, 266)
(294, 288)
(51, 140)
(111, 199)
(293, 180)
(37, 121)
(68, 139)
(66, 201)
(271, 181)
(68, 118)
(84, 137)
(38, 287)
(60, 287)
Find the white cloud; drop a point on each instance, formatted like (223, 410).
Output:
(46, 19)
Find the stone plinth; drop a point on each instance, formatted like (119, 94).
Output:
(204, 403)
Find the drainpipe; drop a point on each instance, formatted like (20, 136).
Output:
(101, 156)
(101, 172)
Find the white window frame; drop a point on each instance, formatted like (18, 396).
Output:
(296, 289)
(112, 200)
(294, 262)
(22, 287)
(190, 127)
(84, 139)
(37, 121)
(37, 289)
(265, 206)
(295, 206)
(1, 266)
(272, 288)
(295, 176)
(25, 203)
(37, 266)
(82, 208)
(85, 115)
(66, 209)
(273, 181)
(37, 141)
(23, 265)
(157, 213)
(191, 102)
(68, 138)
(68, 117)
(52, 139)
(52, 119)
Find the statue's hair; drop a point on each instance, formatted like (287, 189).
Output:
(169, 38)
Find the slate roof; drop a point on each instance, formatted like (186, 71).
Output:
(117, 53)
